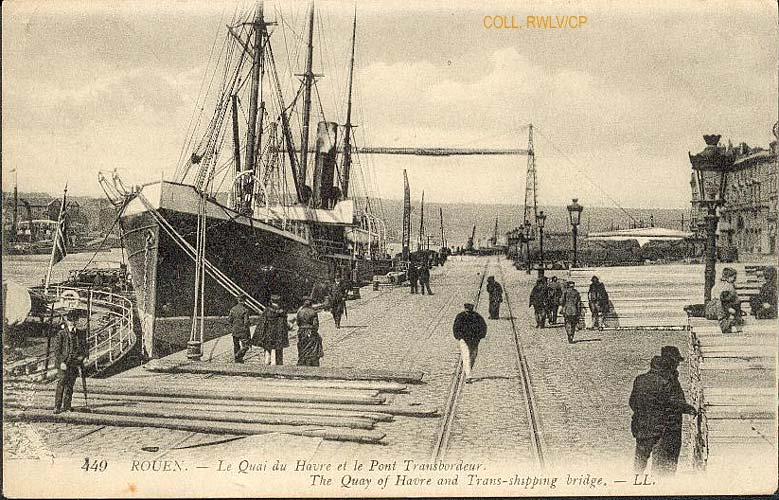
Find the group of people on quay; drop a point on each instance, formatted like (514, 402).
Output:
(551, 296)
(725, 303)
(270, 330)
(419, 277)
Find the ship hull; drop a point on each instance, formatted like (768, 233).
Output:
(259, 258)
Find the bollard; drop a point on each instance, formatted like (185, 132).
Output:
(375, 283)
(194, 351)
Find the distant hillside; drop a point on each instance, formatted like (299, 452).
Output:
(459, 219)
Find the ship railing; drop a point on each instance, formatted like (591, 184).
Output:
(108, 342)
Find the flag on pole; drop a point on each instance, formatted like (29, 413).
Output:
(59, 247)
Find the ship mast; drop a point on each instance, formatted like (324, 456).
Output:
(421, 223)
(308, 80)
(406, 216)
(347, 163)
(251, 137)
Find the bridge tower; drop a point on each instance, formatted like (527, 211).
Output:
(531, 203)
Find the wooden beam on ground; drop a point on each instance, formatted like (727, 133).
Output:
(310, 384)
(329, 433)
(44, 397)
(218, 386)
(185, 413)
(284, 371)
(413, 409)
(278, 397)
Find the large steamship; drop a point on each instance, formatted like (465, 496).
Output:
(280, 229)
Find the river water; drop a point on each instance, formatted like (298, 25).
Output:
(30, 270)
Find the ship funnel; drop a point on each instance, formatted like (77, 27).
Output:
(325, 192)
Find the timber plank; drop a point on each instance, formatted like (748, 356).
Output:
(285, 371)
(217, 415)
(224, 405)
(410, 410)
(335, 434)
(236, 395)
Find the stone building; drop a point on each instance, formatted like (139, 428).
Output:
(748, 219)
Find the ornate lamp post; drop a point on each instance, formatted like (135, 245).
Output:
(528, 228)
(540, 221)
(575, 216)
(711, 167)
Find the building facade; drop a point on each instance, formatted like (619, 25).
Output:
(749, 217)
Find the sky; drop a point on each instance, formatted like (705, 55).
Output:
(616, 104)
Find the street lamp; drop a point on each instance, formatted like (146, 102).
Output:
(540, 221)
(528, 228)
(575, 216)
(711, 167)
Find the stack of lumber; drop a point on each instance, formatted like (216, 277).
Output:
(733, 380)
(644, 296)
(225, 398)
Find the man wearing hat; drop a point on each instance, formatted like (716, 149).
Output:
(469, 328)
(276, 334)
(538, 297)
(71, 350)
(598, 300)
(495, 292)
(238, 317)
(652, 400)
(670, 444)
(309, 341)
(570, 307)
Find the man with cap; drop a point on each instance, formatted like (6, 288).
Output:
(424, 278)
(275, 335)
(70, 352)
(652, 400)
(495, 292)
(337, 301)
(598, 300)
(666, 455)
(238, 317)
(570, 307)
(469, 328)
(413, 276)
(554, 292)
(538, 296)
(309, 341)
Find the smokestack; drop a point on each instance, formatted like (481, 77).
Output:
(325, 193)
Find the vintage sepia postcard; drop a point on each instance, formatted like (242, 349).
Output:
(378, 248)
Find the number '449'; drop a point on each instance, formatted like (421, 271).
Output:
(94, 465)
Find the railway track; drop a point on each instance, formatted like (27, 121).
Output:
(535, 441)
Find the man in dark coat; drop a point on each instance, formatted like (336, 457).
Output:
(598, 300)
(553, 294)
(424, 278)
(238, 317)
(764, 303)
(337, 301)
(666, 452)
(413, 276)
(495, 292)
(570, 307)
(538, 302)
(274, 336)
(70, 351)
(653, 401)
(309, 341)
(469, 328)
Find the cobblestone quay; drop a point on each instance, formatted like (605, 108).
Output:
(581, 390)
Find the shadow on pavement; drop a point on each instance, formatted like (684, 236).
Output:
(586, 340)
